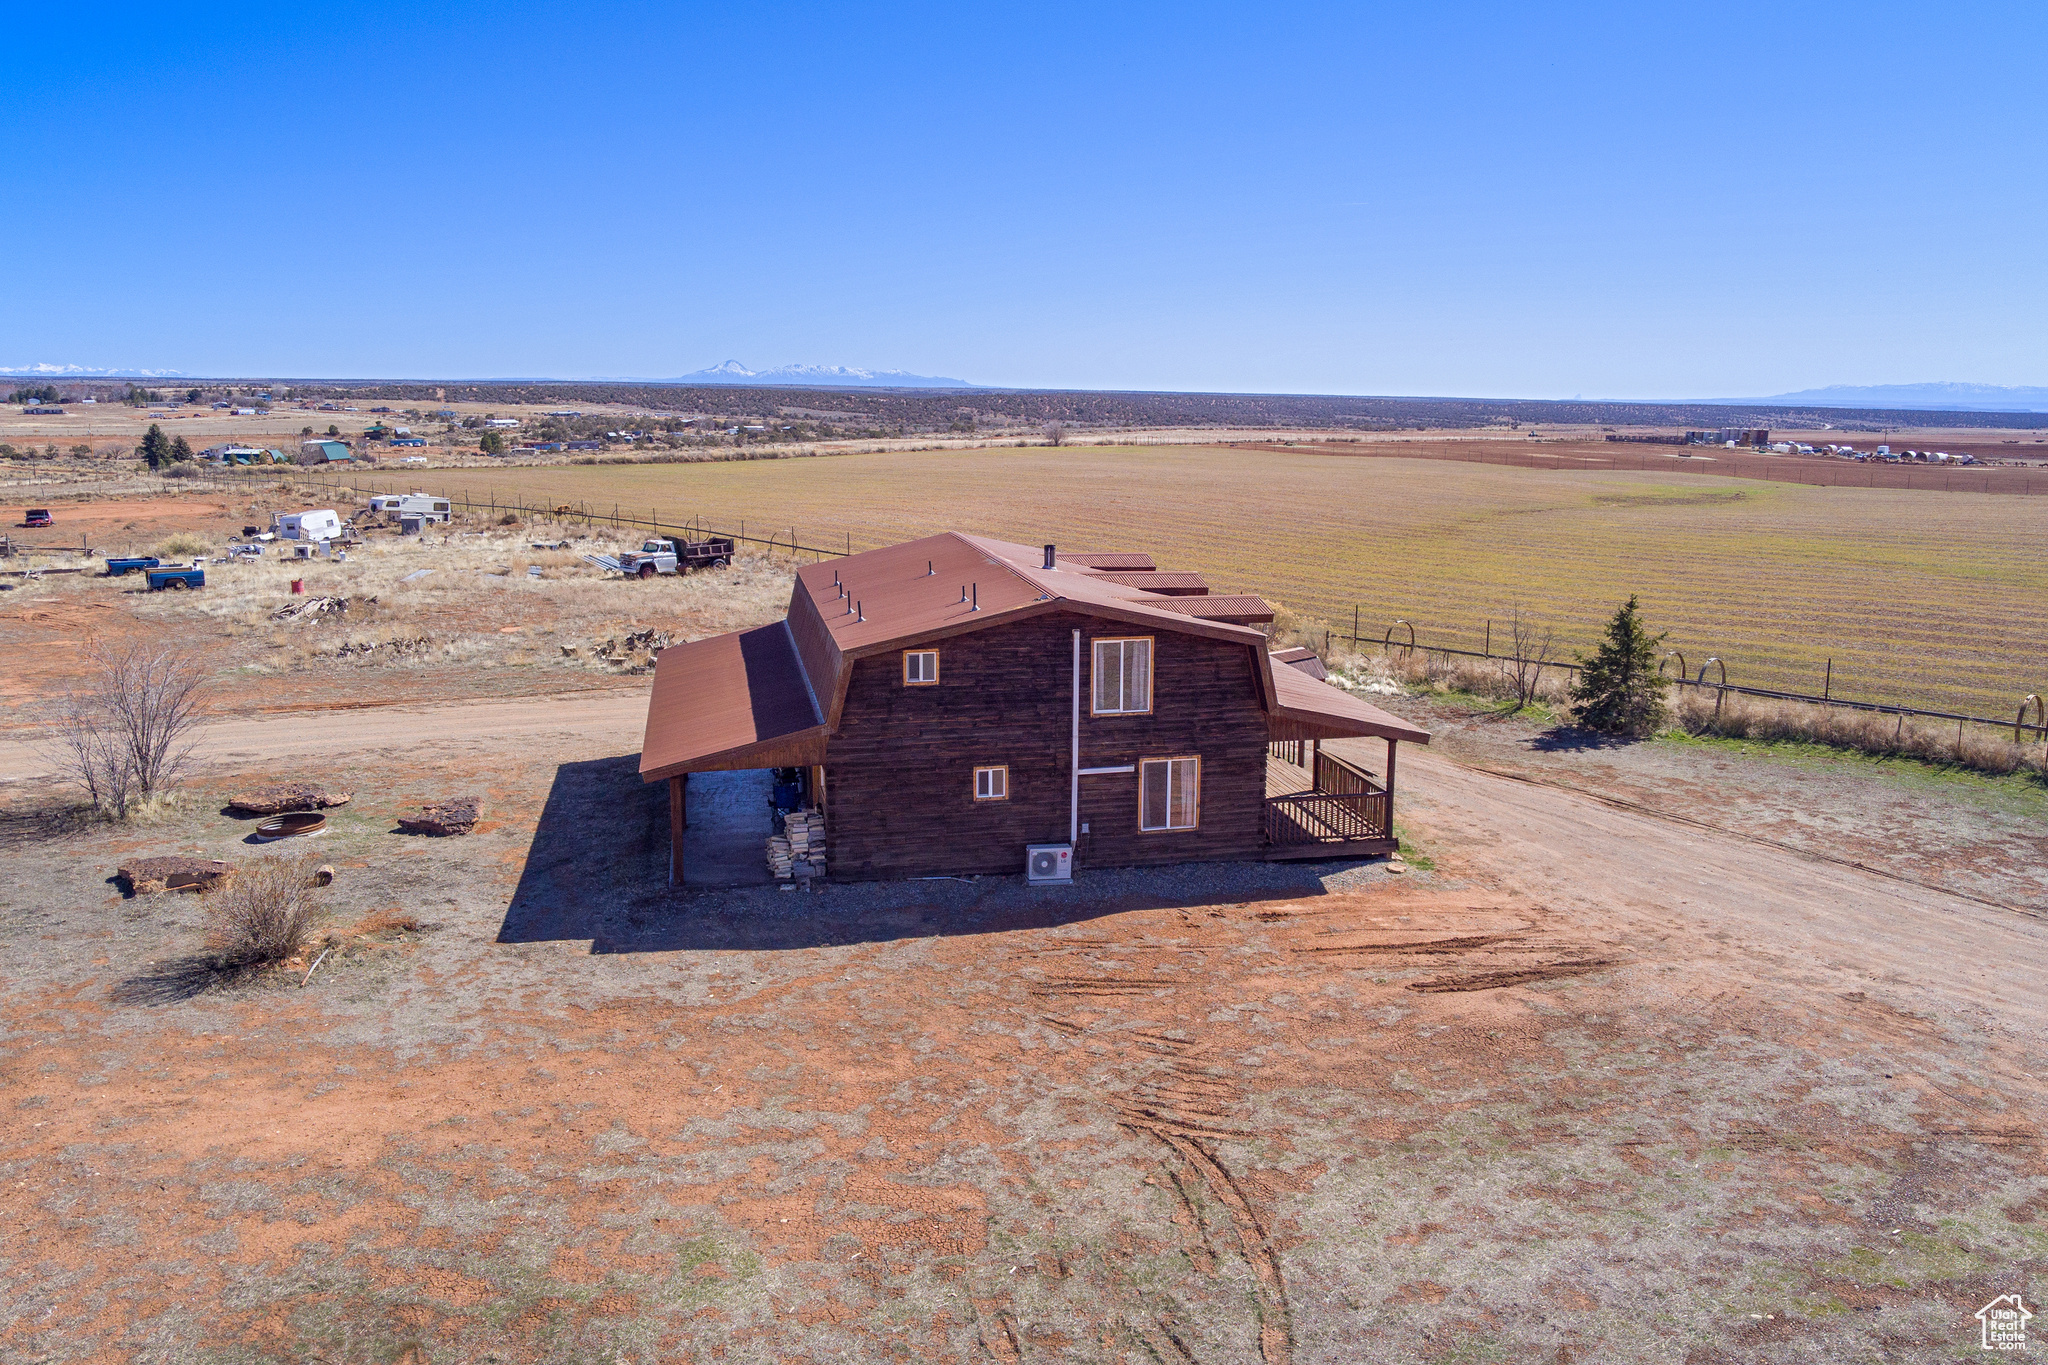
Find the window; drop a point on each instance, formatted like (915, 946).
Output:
(920, 667)
(1169, 793)
(991, 784)
(1123, 677)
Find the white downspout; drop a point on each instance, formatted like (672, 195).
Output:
(1074, 802)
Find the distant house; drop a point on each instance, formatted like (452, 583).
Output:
(584, 445)
(502, 423)
(324, 452)
(958, 705)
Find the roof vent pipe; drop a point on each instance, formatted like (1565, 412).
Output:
(929, 571)
(977, 598)
(963, 592)
(835, 578)
(859, 612)
(1048, 556)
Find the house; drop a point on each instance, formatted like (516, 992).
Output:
(324, 452)
(948, 701)
(502, 423)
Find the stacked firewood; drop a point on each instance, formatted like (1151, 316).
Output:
(799, 851)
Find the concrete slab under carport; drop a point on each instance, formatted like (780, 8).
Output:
(726, 841)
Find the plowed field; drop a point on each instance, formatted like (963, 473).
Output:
(1928, 598)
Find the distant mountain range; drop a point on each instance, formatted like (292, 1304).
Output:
(83, 372)
(1946, 397)
(817, 376)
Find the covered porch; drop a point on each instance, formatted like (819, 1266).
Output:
(1319, 803)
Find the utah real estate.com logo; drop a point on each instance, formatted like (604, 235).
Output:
(2004, 1322)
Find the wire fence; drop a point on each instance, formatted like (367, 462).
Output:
(1401, 637)
(619, 518)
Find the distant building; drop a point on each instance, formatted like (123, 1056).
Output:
(1741, 436)
(324, 452)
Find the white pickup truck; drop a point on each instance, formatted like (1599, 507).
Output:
(661, 555)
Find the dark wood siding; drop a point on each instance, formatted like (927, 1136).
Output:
(816, 648)
(901, 766)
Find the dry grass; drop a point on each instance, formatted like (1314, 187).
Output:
(476, 606)
(1918, 597)
(182, 545)
(1734, 716)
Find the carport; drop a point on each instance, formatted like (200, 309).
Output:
(724, 711)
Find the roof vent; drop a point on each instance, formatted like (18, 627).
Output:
(1048, 556)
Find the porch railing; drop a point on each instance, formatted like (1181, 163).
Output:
(1326, 817)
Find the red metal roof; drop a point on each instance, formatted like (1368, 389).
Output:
(1303, 658)
(770, 696)
(1130, 562)
(1173, 583)
(1243, 608)
(721, 702)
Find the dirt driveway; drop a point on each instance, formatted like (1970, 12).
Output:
(1600, 1087)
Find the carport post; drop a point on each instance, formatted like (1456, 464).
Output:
(678, 821)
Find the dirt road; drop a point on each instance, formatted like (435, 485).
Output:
(1848, 929)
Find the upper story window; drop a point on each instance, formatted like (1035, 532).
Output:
(920, 667)
(1123, 677)
(992, 784)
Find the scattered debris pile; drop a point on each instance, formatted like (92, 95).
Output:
(416, 645)
(799, 851)
(456, 816)
(287, 796)
(148, 876)
(311, 606)
(637, 652)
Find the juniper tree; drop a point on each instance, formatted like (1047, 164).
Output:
(1618, 691)
(155, 449)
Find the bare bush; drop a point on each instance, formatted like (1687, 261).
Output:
(127, 733)
(265, 914)
(181, 545)
(1055, 434)
(1529, 650)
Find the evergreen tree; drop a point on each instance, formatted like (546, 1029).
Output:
(155, 449)
(181, 451)
(1618, 691)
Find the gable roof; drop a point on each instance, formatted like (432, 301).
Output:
(778, 691)
(1173, 583)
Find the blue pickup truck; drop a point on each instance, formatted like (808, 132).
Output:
(176, 578)
(129, 564)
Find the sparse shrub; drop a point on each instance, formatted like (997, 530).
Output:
(509, 519)
(1619, 692)
(181, 544)
(181, 471)
(265, 914)
(126, 732)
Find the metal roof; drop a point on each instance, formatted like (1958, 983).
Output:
(1303, 658)
(771, 695)
(1241, 607)
(1130, 562)
(731, 701)
(1172, 583)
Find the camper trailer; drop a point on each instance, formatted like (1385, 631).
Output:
(424, 505)
(320, 525)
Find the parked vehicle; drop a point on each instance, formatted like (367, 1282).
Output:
(424, 505)
(663, 556)
(129, 564)
(37, 516)
(176, 578)
(321, 525)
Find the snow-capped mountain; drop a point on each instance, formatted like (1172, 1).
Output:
(41, 371)
(820, 376)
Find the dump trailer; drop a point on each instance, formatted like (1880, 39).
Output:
(129, 564)
(176, 579)
(661, 555)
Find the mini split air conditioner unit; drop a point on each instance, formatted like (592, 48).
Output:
(1049, 862)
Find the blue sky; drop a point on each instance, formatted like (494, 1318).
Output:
(1500, 200)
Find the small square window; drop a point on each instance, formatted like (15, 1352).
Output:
(920, 667)
(991, 784)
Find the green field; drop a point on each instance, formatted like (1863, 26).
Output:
(1932, 599)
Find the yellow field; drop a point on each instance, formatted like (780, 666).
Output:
(1933, 599)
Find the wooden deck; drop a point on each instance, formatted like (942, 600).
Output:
(1349, 816)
